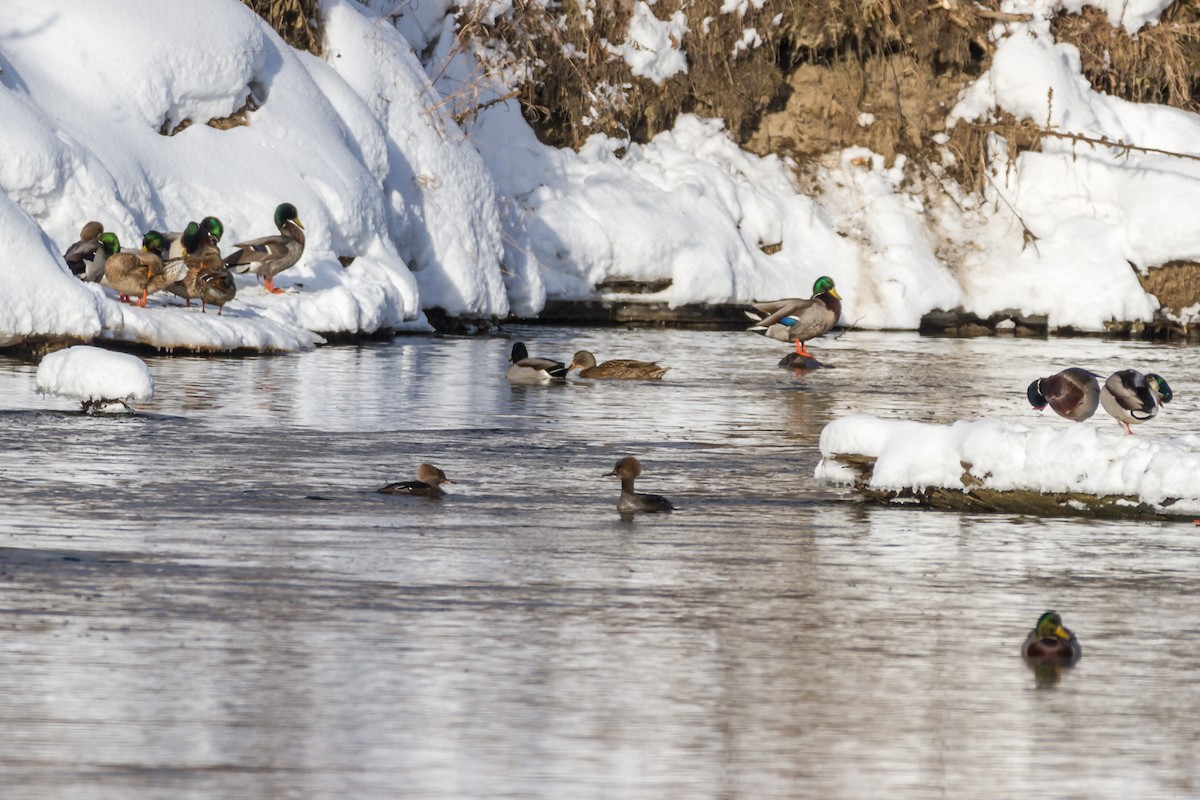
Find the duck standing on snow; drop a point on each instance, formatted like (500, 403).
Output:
(141, 272)
(528, 369)
(1073, 393)
(270, 255)
(798, 320)
(209, 231)
(428, 483)
(1132, 398)
(617, 369)
(631, 502)
(1050, 643)
(86, 257)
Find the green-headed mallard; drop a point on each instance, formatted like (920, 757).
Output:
(1073, 393)
(271, 255)
(428, 483)
(209, 232)
(527, 369)
(1132, 398)
(631, 502)
(617, 369)
(1051, 643)
(798, 320)
(134, 272)
(86, 257)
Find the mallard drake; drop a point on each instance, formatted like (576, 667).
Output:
(209, 231)
(271, 255)
(797, 320)
(1132, 398)
(428, 483)
(526, 369)
(631, 502)
(1073, 393)
(1050, 643)
(617, 369)
(86, 257)
(141, 272)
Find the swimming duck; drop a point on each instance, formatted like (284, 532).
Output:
(428, 483)
(526, 369)
(797, 320)
(1133, 398)
(210, 231)
(141, 272)
(86, 257)
(630, 502)
(270, 255)
(1073, 393)
(618, 369)
(1050, 643)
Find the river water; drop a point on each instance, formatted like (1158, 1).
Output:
(208, 598)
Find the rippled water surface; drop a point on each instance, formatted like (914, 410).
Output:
(208, 599)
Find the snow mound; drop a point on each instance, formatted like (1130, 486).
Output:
(91, 374)
(1004, 456)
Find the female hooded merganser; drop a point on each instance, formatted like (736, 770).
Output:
(627, 469)
(428, 483)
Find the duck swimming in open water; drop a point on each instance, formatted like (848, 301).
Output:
(1073, 393)
(798, 320)
(631, 502)
(1051, 643)
(428, 483)
(528, 369)
(617, 369)
(1132, 398)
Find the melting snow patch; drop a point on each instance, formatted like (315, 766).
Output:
(96, 377)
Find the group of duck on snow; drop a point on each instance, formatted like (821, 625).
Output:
(187, 263)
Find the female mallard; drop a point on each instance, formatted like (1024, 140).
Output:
(797, 320)
(1050, 643)
(271, 255)
(631, 502)
(1073, 393)
(208, 280)
(428, 483)
(526, 369)
(618, 369)
(86, 257)
(1133, 398)
(142, 272)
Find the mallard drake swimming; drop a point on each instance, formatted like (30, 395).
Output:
(1050, 643)
(1132, 398)
(86, 257)
(141, 272)
(209, 231)
(1073, 393)
(630, 502)
(428, 483)
(271, 255)
(797, 320)
(527, 369)
(617, 369)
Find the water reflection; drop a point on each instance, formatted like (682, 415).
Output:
(210, 599)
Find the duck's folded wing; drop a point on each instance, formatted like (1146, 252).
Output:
(793, 308)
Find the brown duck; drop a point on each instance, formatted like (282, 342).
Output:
(617, 369)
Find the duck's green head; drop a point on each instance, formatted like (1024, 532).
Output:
(1159, 385)
(1034, 393)
(286, 212)
(825, 284)
(153, 242)
(190, 238)
(110, 243)
(213, 227)
(1049, 626)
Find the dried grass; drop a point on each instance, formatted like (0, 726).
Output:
(297, 21)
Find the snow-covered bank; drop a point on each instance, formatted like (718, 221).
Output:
(426, 180)
(994, 455)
